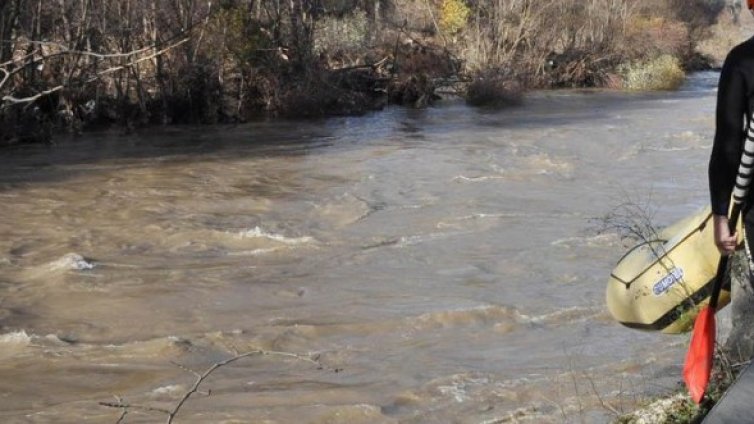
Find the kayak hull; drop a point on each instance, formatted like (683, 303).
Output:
(661, 284)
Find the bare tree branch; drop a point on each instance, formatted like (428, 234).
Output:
(15, 100)
(201, 377)
(5, 78)
(149, 57)
(36, 58)
(126, 406)
(18, 59)
(64, 50)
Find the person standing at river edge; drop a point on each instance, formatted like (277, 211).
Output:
(734, 104)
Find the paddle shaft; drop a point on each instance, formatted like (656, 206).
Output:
(723, 264)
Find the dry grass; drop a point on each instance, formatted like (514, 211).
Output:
(661, 73)
(724, 35)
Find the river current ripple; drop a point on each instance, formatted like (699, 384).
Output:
(441, 265)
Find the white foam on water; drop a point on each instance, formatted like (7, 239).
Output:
(599, 240)
(14, 343)
(71, 261)
(254, 252)
(481, 315)
(18, 338)
(479, 216)
(153, 347)
(257, 232)
(405, 241)
(522, 166)
(19, 342)
(409, 240)
(478, 179)
(172, 390)
(543, 164)
(574, 313)
(457, 391)
(459, 385)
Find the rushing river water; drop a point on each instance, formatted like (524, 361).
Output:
(438, 265)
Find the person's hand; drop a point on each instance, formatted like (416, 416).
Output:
(725, 241)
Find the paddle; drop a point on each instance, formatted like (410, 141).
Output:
(698, 365)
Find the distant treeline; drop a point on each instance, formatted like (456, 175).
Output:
(73, 64)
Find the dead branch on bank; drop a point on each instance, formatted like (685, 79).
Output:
(5, 78)
(62, 50)
(126, 406)
(11, 100)
(201, 377)
(14, 101)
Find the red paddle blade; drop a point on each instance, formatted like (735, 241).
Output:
(698, 366)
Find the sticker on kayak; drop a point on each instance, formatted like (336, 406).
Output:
(675, 275)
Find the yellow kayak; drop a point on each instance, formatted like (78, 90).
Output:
(659, 285)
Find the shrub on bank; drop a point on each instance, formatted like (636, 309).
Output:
(324, 93)
(453, 16)
(661, 73)
(493, 91)
(347, 34)
(655, 36)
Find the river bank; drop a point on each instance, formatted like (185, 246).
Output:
(148, 62)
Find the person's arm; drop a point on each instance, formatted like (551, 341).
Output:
(725, 241)
(726, 149)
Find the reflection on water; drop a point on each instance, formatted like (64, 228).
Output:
(443, 261)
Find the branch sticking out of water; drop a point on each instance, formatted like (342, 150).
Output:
(631, 220)
(119, 403)
(201, 377)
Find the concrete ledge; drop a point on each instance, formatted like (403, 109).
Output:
(737, 404)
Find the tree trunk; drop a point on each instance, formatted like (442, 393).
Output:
(375, 23)
(301, 32)
(8, 20)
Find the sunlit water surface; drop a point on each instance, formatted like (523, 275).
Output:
(441, 265)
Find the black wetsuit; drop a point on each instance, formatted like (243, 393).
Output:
(735, 99)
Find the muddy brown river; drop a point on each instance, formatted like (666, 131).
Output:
(408, 266)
